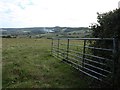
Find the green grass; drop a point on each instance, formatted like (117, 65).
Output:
(27, 63)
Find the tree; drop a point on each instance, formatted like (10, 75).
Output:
(108, 27)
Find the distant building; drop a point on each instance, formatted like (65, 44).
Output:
(119, 4)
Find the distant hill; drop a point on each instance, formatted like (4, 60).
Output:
(43, 30)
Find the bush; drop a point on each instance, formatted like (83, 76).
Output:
(108, 27)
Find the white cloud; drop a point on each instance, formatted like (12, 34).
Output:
(31, 13)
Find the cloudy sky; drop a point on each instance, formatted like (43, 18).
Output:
(37, 13)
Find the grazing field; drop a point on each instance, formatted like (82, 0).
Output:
(27, 63)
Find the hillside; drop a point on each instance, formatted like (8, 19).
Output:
(43, 31)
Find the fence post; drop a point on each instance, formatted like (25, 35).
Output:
(83, 53)
(67, 48)
(116, 50)
(58, 47)
(52, 47)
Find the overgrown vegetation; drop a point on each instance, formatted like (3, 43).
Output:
(108, 27)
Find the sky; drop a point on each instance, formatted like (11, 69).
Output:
(50, 13)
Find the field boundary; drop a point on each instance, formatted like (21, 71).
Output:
(76, 55)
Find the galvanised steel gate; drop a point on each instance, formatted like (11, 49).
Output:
(77, 53)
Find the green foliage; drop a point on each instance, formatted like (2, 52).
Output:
(8, 36)
(108, 27)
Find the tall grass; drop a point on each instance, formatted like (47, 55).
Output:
(27, 63)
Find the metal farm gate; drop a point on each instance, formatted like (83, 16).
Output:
(77, 53)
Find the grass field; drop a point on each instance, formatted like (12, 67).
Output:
(27, 63)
